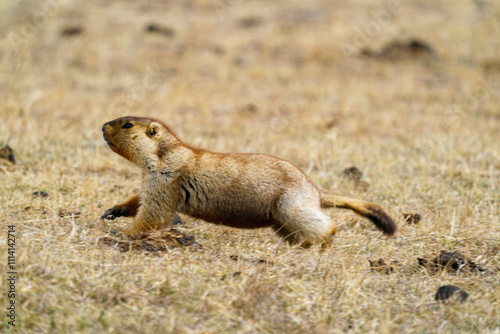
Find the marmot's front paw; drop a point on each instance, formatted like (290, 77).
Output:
(113, 213)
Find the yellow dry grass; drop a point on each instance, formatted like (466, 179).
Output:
(276, 77)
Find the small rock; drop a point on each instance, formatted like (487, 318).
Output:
(250, 22)
(412, 218)
(491, 66)
(41, 193)
(332, 123)
(160, 29)
(71, 31)
(250, 108)
(446, 292)
(353, 173)
(7, 153)
(454, 261)
(380, 266)
(398, 50)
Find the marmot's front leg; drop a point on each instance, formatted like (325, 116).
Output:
(125, 209)
(153, 215)
(146, 221)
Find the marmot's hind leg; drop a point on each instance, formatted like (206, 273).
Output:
(305, 226)
(292, 238)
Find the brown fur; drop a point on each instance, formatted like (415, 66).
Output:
(237, 190)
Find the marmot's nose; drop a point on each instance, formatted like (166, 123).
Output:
(104, 128)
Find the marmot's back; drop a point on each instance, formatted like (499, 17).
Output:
(240, 190)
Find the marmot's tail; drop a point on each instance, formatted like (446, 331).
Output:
(368, 210)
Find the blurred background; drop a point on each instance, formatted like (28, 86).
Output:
(280, 64)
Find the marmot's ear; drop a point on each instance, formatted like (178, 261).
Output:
(153, 128)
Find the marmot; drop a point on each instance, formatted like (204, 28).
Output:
(232, 189)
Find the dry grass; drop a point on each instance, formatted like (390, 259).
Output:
(253, 76)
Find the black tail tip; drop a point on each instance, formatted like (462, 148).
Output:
(382, 220)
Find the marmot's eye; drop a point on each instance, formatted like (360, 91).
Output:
(127, 126)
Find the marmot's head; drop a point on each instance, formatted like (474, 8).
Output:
(140, 140)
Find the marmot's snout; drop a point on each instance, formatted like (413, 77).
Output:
(110, 144)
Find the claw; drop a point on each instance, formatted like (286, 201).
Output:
(108, 214)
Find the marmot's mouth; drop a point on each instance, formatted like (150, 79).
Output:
(110, 144)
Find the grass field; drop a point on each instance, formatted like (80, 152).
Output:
(285, 78)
